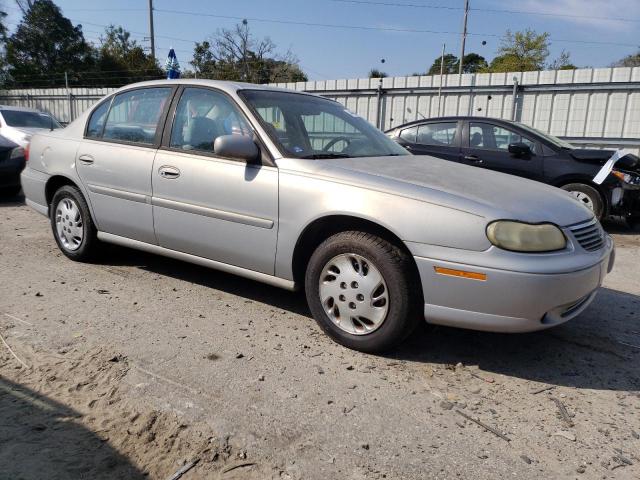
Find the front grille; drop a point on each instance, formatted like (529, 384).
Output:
(589, 235)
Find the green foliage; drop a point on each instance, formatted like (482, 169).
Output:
(521, 52)
(632, 60)
(472, 63)
(46, 43)
(236, 55)
(120, 58)
(375, 73)
(450, 65)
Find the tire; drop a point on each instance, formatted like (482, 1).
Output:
(72, 226)
(589, 196)
(374, 313)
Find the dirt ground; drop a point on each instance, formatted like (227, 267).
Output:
(136, 366)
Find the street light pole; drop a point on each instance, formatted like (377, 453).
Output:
(151, 35)
(464, 35)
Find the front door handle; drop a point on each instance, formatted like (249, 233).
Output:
(473, 158)
(86, 159)
(168, 172)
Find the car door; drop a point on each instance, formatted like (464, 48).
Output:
(440, 139)
(217, 208)
(486, 145)
(115, 159)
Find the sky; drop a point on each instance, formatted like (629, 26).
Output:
(407, 34)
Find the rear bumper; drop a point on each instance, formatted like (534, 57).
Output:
(509, 301)
(33, 186)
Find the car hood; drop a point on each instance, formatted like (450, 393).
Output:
(629, 162)
(483, 192)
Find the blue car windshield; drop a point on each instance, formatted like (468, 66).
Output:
(306, 126)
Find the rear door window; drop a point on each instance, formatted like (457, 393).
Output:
(440, 134)
(97, 119)
(409, 134)
(135, 115)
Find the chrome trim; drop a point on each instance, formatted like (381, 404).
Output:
(113, 192)
(205, 262)
(213, 213)
(589, 235)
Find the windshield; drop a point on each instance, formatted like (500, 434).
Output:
(555, 140)
(22, 119)
(304, 126)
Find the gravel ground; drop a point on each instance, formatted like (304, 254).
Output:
(241, 367)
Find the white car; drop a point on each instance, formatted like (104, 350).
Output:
(18, 124)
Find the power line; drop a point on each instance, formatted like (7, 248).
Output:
(368, 27)
(488, 10)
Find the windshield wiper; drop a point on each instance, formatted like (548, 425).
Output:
(315, 156)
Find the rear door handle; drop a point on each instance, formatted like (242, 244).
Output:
(168, 172)
(473, 158)
(86, 159)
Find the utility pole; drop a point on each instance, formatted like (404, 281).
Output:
(153, 43)
(464, 35)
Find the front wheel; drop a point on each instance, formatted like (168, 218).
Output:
(588, 196)
(71, 223)
(361, 291)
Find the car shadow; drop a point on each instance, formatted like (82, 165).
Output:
(294, 302)
(41, 438)
(600, 349)
(11, 200)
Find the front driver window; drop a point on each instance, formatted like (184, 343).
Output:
(485, 135)
(202, 116)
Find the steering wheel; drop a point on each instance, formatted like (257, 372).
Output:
(333, 141)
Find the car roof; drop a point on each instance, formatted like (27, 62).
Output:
(455, 119)
(224, 85)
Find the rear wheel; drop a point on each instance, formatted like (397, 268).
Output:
(588, 196)
(359, 289)
(71, 223)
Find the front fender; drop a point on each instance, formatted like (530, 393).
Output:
(305, 198)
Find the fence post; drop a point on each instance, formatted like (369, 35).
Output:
(515, 98)
(379, 104)
(66, 84)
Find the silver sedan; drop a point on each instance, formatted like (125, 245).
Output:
(296, 191)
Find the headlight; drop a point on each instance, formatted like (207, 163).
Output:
(627, 177)
(525, 237)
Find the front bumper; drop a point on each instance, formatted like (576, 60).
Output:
(509, 301)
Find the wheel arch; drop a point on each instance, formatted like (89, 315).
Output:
(55, 182)
(567, 179)
(322, 228)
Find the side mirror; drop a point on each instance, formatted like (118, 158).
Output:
(240, 147)
(519, 149)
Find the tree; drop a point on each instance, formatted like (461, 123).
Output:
(237, 55)
(450, 65)
(563, 62)
(473, 63)
(375, 73)
(521, 52)
(632, 60)
(122, 60)
(45, 45)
